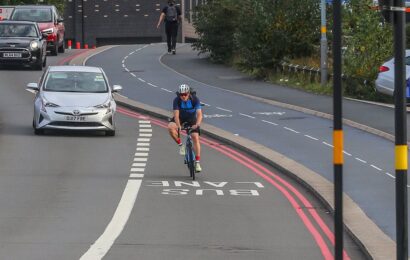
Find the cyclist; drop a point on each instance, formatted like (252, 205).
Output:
(187, 109)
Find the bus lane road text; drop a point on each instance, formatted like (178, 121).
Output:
(203, 188)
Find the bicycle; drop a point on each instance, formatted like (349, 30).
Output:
(189, 159)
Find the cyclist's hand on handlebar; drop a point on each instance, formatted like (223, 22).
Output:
(195, 126)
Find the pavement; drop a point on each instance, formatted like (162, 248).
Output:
(373, 241)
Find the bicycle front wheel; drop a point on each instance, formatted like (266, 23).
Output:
(190, 161)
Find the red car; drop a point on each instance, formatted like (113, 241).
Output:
(49, 21)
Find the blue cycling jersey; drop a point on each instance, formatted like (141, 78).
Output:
(187, 109)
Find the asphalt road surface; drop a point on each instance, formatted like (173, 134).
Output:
(369, 160)
(70, 195)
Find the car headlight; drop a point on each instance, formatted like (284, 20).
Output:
(50, 30)
(33, 45)
(45, 103)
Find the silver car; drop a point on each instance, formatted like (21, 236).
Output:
(385, 79)
(74, 98)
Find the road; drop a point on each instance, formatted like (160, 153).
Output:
(307, 139)
(68, 195)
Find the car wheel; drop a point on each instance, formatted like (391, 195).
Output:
(38, 131)
(110, 133)
(54, 51)
(61, 49)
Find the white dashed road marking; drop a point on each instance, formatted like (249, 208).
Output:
(292, 130)
(360, 160)
(311, 137)
(247, 115)
(375, 167)
(223, 109)
(269, 122)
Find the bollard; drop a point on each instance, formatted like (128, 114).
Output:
(86, 46)
(94, 47)
(77, 45)
(69, 44)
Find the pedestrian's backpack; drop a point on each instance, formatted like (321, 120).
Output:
(172, 13)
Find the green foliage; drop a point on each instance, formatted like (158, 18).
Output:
(255, 40)
(369, 42)
(215, 23)
(297, 23)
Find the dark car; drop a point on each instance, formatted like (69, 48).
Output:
(49, 22)
(22, 43)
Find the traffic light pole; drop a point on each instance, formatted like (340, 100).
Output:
(338, 128)
(401, 149)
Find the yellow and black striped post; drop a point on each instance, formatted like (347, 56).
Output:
(400, 128)
(338, 128)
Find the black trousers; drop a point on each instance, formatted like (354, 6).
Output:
(171, 29)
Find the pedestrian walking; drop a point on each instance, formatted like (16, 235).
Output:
(171, 13)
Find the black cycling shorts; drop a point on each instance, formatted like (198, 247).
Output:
(189, 122)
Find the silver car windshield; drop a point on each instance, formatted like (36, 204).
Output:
(34, 15)
(74, 81)
(17, 30)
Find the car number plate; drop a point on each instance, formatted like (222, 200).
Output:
(75, 118)
(12, 55)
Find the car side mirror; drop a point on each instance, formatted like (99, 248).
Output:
(116, 88)
(60, 20)
(33, 86)
(44, 35)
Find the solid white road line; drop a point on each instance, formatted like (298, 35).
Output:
(140, 79)
(103, 244)
(152, 85)
(127, 70)
(132, 74)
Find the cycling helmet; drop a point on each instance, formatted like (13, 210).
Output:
(184, 88)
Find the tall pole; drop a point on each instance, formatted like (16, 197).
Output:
(338, 128)
(401, 163)
(323, 45)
